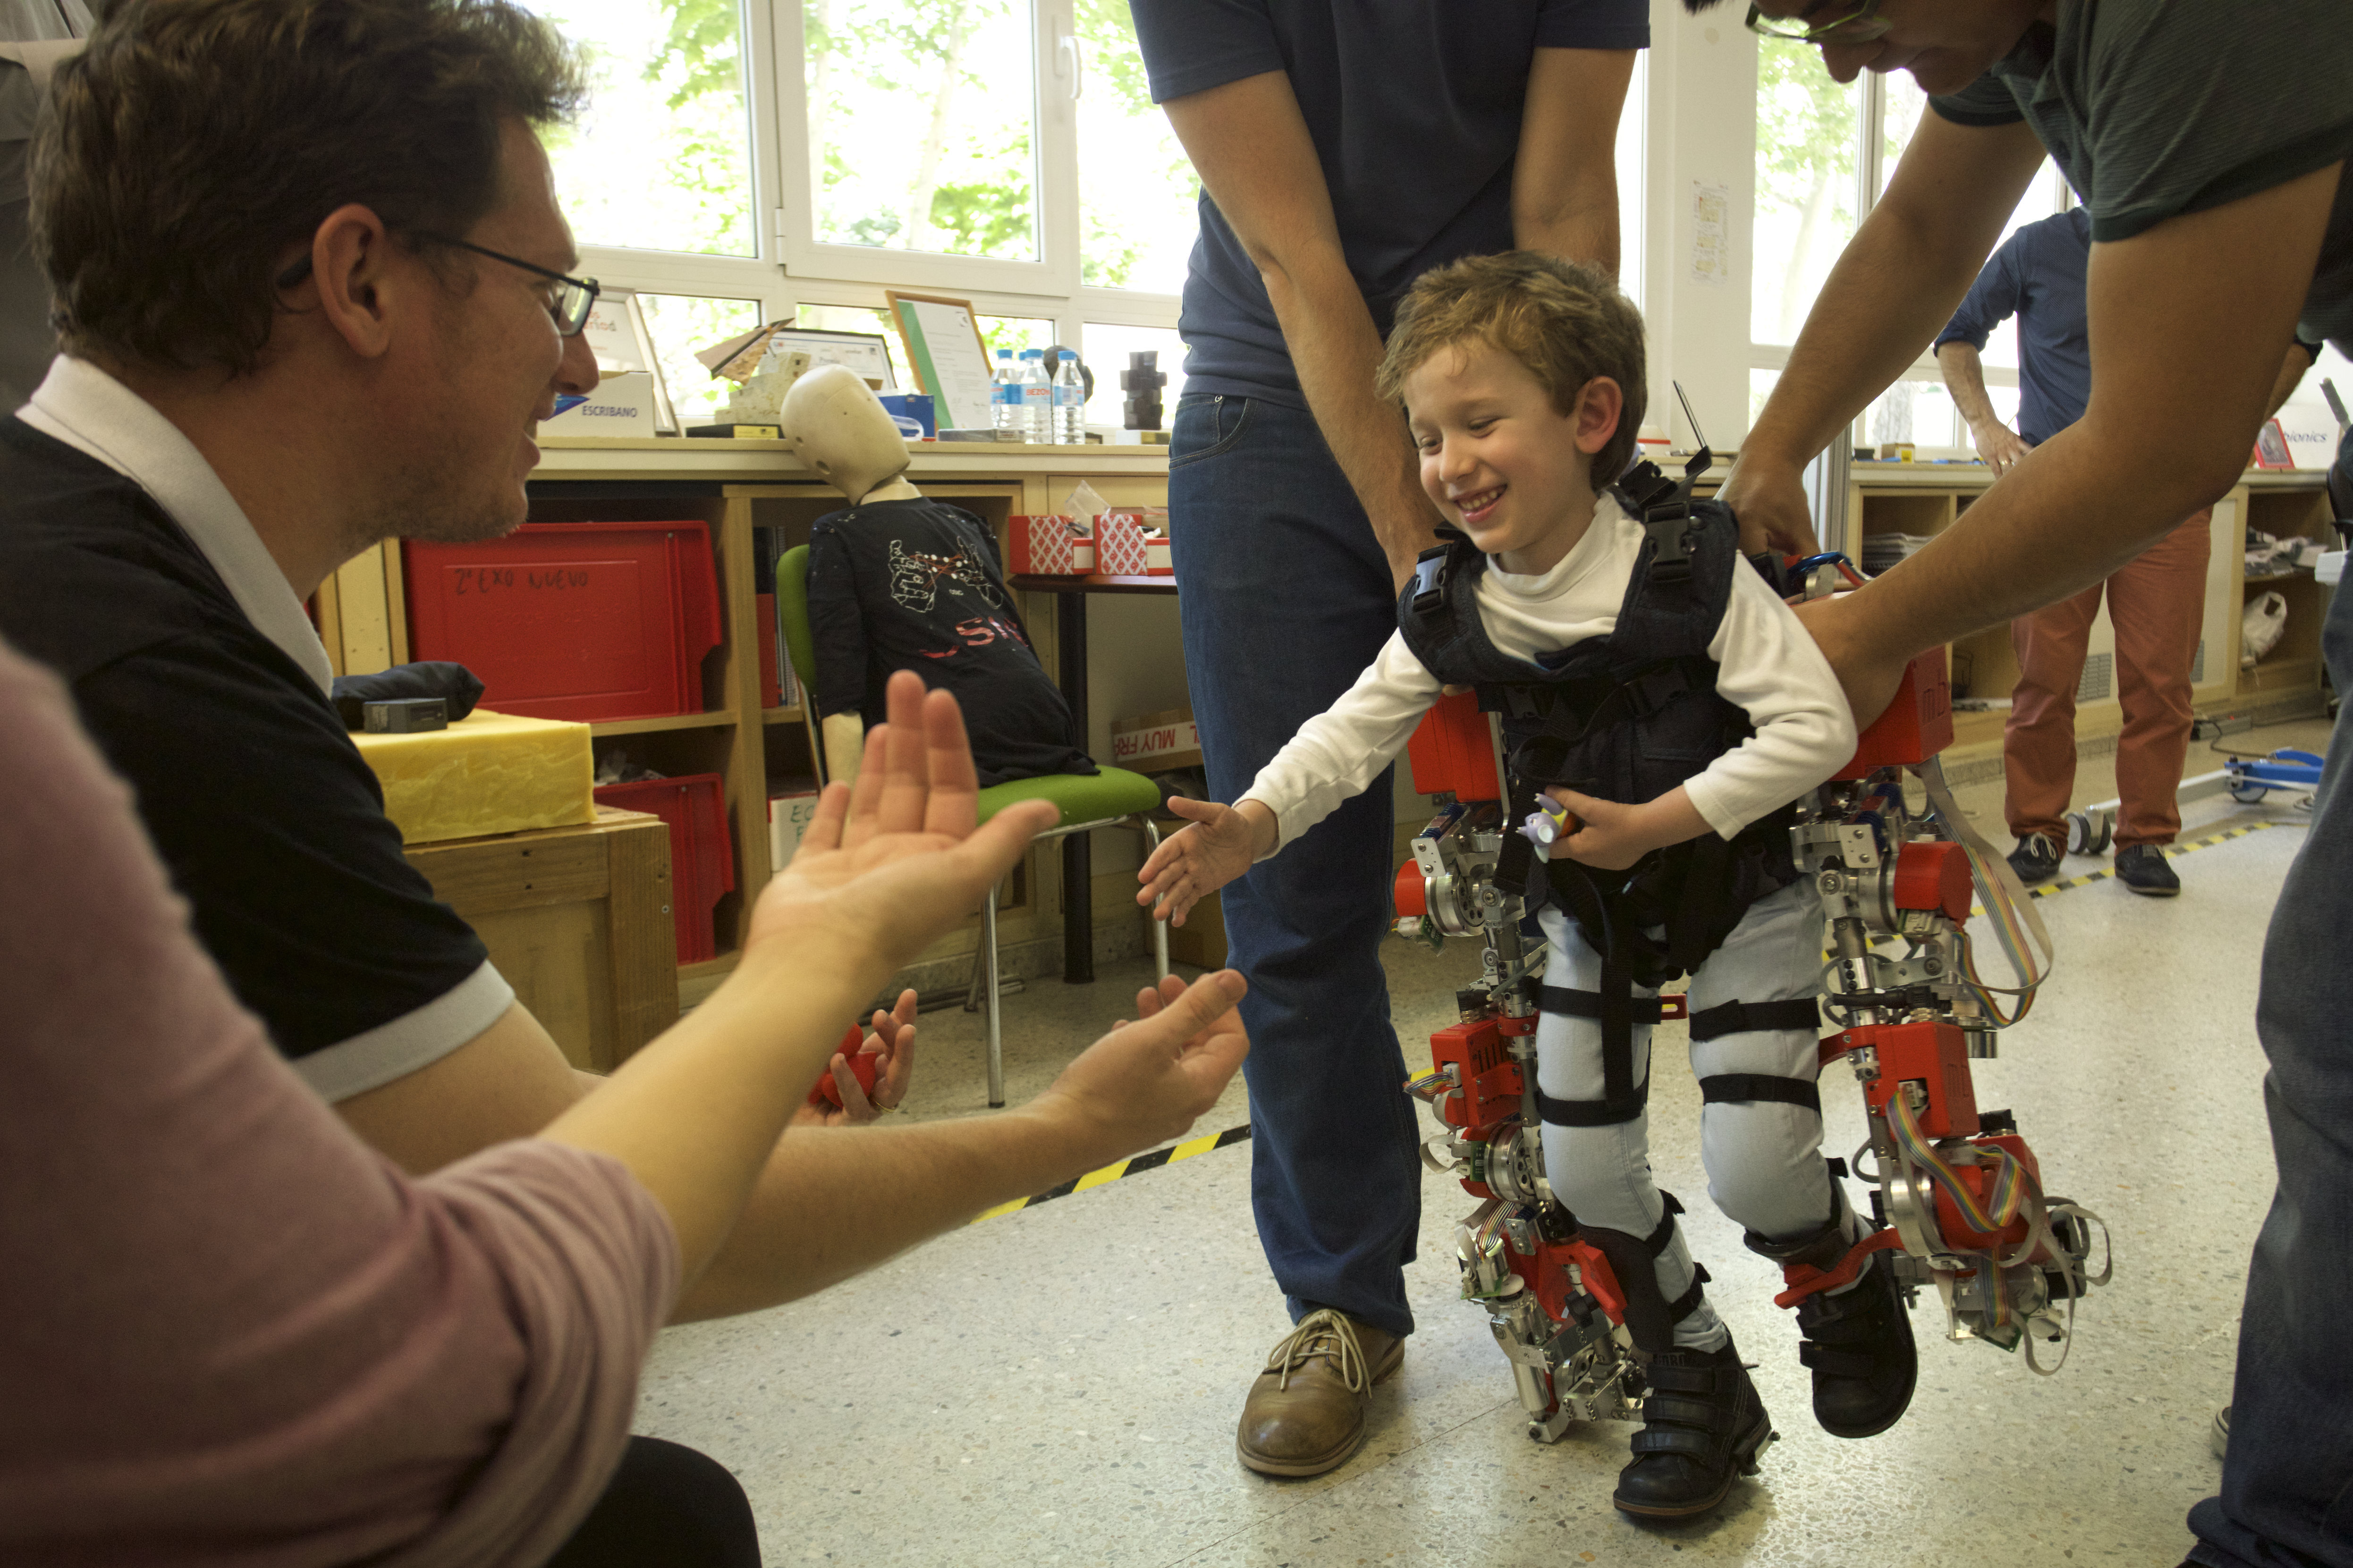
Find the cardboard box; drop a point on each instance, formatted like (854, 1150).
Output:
(788, 818)
(1119, 545)
(1051, 546)
(621, 406)
(913, 412)
(1158, 560)
(1201, 940)
(1155, 742)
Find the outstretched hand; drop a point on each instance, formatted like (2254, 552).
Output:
(886, 868)
(891, 1039)
(1148, 1081)
(1195, 861)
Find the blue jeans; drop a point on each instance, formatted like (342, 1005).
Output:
(1285, 597)
(2287, 1483)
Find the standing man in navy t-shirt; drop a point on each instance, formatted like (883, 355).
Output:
(2155, 600)
(1344, 148)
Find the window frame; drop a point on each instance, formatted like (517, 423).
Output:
(1871, 123)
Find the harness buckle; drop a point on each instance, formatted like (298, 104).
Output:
(1674, 1005)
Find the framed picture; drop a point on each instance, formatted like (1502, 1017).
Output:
(865, 354)
(948, 356)
(2270, 446)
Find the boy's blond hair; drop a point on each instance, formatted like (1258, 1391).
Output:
(1563, 320)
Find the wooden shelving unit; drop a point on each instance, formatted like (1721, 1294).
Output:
(733, 486)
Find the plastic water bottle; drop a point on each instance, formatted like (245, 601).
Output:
(1005, 401)
(1037, 397)
(1070, 403)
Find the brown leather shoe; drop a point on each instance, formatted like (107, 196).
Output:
(1305, 1413)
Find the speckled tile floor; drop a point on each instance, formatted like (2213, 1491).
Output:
(1059, 1385)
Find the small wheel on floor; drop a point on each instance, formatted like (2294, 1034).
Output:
(2106, 834)
(2248, 793)
(2083, 834)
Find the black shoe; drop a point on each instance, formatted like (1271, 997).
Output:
(2142, 868)
(1859, 1346)
(2036, 859)
(1703, 1427)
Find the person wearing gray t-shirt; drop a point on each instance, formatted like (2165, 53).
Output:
(2208, 142)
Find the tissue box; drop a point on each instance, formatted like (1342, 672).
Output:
(1158, 560)
(489, 772)
(913, 412)
(1119, 545)
(1155, 742)
(1051, 546)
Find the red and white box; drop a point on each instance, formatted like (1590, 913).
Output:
(1119, 545)
(1155, 742)
(1158, 561)
(1051, 546)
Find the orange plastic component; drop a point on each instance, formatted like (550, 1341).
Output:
(1412, 892)
(1933, 877)
(1917, 726)
(1932, 1054)
(1453, 752)
(1492, 1085)
(1979, 1179)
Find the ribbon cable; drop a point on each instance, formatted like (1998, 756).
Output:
(2017, 923)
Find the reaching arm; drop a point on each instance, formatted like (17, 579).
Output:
(2219, 291)
(1997, 443)
(1256, 160)
(1565, 179)
(1896, 284)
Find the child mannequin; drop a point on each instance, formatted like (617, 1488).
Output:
(1522, 378)
(899, 581)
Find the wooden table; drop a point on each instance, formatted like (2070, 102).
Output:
(578, 920)
(1070, 639)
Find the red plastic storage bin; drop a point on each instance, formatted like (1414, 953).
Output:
(572, 620)
(702, 856)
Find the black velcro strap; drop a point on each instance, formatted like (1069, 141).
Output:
(1836, 1359)
(1745, 1017)
(1700, 1444)
(1684, 1305)
(1568, 1003)
(1746, 1087)
(1656, 1242)
(1592, 1112)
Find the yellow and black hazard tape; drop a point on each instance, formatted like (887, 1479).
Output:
(2171, 851)
(1152, 1160)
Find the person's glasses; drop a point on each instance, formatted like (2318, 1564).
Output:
(570, 304)
(1859, 25)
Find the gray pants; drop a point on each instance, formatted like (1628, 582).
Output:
(1764, 1162)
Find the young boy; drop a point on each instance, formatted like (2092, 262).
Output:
(1676, 708)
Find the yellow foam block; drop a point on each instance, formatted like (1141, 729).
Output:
(489, 772)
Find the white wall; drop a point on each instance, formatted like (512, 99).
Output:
(1701, 133)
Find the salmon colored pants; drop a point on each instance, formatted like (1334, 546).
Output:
(2157, 604)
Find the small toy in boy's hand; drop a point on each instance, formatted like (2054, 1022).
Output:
(865, 1065)
(1550, 823)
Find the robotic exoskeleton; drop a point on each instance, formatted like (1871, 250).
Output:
(1958, 1195)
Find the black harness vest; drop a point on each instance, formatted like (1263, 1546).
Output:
(1625, 717)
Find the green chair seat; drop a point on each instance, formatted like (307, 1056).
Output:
(1109, 792)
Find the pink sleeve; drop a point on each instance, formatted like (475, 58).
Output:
(229, 1332)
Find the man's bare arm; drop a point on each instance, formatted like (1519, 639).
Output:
(2189, 321)
(1997, 443)
(1565, 178)
(1898, 282)
(1255, 158)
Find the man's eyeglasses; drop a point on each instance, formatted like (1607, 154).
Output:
(569, 305)
(1859, 25)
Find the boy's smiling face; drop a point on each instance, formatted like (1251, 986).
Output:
(1501, 463)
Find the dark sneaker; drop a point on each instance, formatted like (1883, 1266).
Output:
(2219, 1438)
(2036, 859)
(2142, 868)
(1704, 1428)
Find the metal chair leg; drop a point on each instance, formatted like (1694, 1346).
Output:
(994, 1003)
(1159, 927)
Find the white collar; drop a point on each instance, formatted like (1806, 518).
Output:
(1603, 536)
(91, 412)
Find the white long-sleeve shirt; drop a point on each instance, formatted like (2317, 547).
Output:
(1767, 665)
